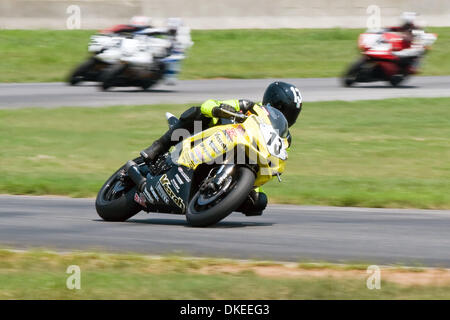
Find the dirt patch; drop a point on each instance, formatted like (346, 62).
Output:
(425, 277)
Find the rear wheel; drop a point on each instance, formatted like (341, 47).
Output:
(115, 200)
(159, 72)
(208, 207)
(396, 79)
(147, 84)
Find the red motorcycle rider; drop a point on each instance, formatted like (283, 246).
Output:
(390, 55)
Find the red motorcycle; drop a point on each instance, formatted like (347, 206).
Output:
(388, 56)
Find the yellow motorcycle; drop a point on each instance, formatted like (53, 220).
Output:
(206, 176)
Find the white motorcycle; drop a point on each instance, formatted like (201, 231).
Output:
(91, 69)
(144, 60)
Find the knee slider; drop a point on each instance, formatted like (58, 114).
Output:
(261, 202)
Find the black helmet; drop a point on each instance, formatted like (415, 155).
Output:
(286, 98)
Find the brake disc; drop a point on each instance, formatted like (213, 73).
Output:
(219, 190)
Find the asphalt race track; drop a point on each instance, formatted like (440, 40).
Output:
(15, 95)
(286, 233)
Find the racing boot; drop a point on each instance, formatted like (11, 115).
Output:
(152, 152)
(163, 144)
(255, 203)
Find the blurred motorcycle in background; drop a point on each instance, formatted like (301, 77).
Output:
(388, 56)
(135, 55)
(137, 61)
(91, 69)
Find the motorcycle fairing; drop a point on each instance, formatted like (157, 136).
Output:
(170, 191)
(219, 143)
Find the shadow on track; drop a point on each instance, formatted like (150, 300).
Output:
(182, 222)
(139, 90)
(385, 87)
(382, 86)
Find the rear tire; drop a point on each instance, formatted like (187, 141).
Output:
(147, 84)
(121, 207)
(245, 179)
(396, 79)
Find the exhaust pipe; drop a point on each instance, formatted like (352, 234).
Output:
(135, 175)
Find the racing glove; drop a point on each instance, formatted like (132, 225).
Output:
(218, 112)
(246, 105)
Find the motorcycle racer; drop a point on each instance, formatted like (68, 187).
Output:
(280, 95)
(391, 54)
(408, 23)
(137, 23)
(412, 44)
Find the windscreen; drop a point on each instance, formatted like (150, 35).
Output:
(278, 121)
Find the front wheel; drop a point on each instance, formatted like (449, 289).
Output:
(109, 77)
(115, 200)
(200, 214)
(80, 72)
(351, 75)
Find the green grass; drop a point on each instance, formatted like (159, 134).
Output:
(40, 55)
(385, 153)
(43, 55)
(42, 275)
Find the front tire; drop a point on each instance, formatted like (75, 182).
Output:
(198, 217)
(109, 77)
(352, 74)
(120, 206)
(78, 75)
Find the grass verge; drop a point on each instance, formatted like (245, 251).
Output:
(385, 153)
(44, 55)
(42, 275)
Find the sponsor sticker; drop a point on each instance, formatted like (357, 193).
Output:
(155, 195)
(148, 196)
(183, 174)
(200, 155)
(164, 181)
(140, 199)
(206, 151)
(175, 184)
(240, 129)
(214, 147)
(162, 193)
(193, 160)
(177, 177)
(230, 134)
(220, 141)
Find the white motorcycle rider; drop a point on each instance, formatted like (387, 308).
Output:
(148, 56)
(110, 38)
